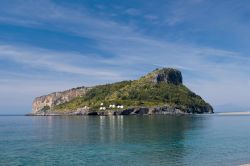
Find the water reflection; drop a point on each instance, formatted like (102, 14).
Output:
(165, 135)
(125, 140)
(113, 129)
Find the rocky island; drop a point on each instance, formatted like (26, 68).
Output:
(159, 92)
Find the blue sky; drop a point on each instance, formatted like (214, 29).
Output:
(52, 45)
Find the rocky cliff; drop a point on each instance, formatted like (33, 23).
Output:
(43, 104)
(167, 75)
(159, 92)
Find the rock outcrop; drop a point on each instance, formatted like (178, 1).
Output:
(168, 75)
(44, 103)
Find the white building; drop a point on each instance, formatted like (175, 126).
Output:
(111, 106)
(102, 108)
(120, 106)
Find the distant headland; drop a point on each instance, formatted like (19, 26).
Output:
(159, 92)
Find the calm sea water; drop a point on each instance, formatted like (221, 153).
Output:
(125, 140)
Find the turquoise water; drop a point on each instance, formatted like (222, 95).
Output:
(125, 140)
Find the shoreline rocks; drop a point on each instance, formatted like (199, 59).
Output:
(170, 110)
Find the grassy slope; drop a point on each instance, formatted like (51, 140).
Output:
(142, 92)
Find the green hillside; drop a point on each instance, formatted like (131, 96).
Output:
(157, 88)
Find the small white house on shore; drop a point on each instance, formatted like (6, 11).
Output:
(102, 108)
(112, 106)
(120, 106)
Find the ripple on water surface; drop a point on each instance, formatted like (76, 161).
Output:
(125, 140)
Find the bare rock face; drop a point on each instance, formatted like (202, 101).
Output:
(168, 75)
(45, 103)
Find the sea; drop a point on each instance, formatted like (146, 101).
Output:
(148, 140)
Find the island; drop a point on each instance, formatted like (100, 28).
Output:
(159, 92)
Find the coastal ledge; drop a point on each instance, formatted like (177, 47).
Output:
(164, 110)
(159, 92)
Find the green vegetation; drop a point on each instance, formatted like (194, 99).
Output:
(142, 92)
(45, 108)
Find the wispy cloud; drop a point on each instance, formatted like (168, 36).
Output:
(151, 17)
(132, 11)
(57, 61)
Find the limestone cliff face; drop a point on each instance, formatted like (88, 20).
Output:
(44, 103)
(164, 75)
(168, 75)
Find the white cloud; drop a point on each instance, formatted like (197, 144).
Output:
(57, 61)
